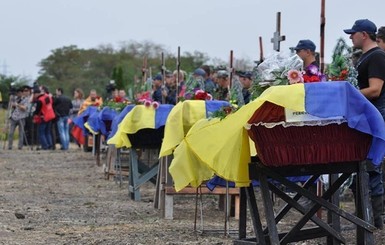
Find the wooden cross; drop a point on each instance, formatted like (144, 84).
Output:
(277, 38)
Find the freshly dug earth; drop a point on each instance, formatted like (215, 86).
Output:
(56, 197)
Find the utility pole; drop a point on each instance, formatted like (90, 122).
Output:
(322, 37)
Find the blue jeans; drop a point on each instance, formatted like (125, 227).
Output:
(63, 129)
(45, 135)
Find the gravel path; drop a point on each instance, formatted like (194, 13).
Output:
(55, 197)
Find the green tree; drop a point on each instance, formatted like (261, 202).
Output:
(70, 67)
(9, 85)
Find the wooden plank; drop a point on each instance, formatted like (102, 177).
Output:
(292, 202)
(204, 190)
(309, 169)
(242, 214)
(268, 207)
(364, 236)
(255, 217)
(332, 218)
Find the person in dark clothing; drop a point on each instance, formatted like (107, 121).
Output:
(305, 49)
(209, 83)
(62, 106)
(371, 82)
(223, 81)
(169, 92)
(157, 88)
(246, 81)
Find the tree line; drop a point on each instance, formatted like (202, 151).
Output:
(71, 67)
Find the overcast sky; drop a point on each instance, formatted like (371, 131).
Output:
(30, 29)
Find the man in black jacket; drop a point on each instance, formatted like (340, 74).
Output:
(62, 106)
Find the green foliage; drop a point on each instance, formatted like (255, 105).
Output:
(340, 58)
(6, 82)
(117, 76)
(71, 67)
(117, 106)
(341, 68)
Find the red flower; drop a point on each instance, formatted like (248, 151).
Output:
(155, 105)
(118, 99)
(310, 79)
(147, 103)
(201, 95)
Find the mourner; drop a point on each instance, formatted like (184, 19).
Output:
(305, 49)
(43, 116)
(62, 105)
(223, 81)
(246, 81)
(208, 83)
(92, 100)
(169, 90)
(157, 88)
(371, 77)
(380, 38)
(19, 111)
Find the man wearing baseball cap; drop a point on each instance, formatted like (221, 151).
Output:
(371, 77)
(305, 49)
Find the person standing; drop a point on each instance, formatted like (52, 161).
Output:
(43, 116)
(92, 100)
(246, 81)
(380, 38)
(62, 106)
(157, 88)
(305, 49)
(18, 115)
(169, 92)
(182, 84)
(371, 78)
(209, 83)
(77, 102)
(223, 90)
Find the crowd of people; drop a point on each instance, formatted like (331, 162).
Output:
(214, 82)
(42, 118)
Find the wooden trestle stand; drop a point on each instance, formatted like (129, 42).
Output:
(338, 173)
(165, 191)
(140, 172)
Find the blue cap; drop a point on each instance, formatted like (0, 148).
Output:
(222, 74)
(247, 74)
(362, 25)
(158, 77)
(200, 72)
(305, 44)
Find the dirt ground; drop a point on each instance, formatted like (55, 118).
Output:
(56, 197)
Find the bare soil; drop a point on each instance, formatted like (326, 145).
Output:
(56, 197)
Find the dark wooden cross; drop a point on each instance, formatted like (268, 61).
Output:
(277, 38)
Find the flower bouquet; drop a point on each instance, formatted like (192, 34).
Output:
(310, 75)
(274, 70)
(117, 104)
(201, 95)
(149, 103)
